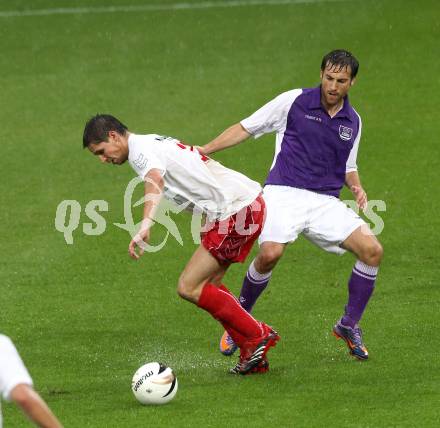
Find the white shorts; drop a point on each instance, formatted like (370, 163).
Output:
(324, 220)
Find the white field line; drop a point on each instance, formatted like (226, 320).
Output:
(153, 7)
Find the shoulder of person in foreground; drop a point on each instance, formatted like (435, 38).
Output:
(16, 386)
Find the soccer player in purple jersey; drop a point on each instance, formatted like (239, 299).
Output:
(317, 140)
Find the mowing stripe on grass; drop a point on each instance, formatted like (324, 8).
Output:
(153, 7)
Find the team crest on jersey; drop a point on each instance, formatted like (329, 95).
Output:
(141, 161)
(345, 133)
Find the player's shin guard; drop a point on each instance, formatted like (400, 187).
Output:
(254, 284)
(360, 289)
(225, 308)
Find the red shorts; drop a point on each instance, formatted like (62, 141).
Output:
(231, 240)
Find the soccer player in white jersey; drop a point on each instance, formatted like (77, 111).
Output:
(235, 212)
(317, 140)
(16, 385)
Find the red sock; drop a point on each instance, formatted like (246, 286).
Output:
(226, 309)
(238, 338)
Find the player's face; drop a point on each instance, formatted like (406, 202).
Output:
(114, 150)
(335, 84)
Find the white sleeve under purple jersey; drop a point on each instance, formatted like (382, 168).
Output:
(272, 116)
(351, 162)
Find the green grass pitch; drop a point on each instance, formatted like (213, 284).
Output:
(85, 316)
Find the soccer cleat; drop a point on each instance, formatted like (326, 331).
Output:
(253, 353)
(262, 367)
(227, 345)
(353, 339)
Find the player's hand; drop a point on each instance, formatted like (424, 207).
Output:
(200, 149)
(360, 196)
(138, 242)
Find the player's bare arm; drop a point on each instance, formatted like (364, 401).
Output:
(34, 406)
(153, 191)
(230, 137)
(353, 182)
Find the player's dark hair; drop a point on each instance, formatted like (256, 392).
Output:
(342, 59)
(98, 127)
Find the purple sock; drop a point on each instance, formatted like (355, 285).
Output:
(254, 284)
(360, 288)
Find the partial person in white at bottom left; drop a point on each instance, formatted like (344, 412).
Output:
(16, 385)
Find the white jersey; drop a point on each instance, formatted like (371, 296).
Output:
(12, 370)
(191, 180)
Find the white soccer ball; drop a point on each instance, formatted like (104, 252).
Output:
(154, 383)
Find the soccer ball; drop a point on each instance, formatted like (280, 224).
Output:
(154, 383)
